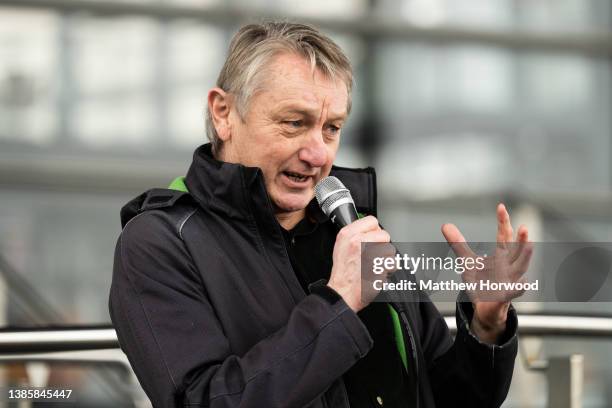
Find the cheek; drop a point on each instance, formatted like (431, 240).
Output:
(274, 160)
(282, 150)
(258, 148)
(331, 154)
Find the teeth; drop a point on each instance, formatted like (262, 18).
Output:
(295, 176)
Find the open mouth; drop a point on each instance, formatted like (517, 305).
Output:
(298, 178)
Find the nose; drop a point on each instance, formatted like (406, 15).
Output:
(314, 150)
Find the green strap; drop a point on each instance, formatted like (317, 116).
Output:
(399, 336)
(397, 328)
(179, 184)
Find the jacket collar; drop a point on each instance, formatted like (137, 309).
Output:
(230, 188)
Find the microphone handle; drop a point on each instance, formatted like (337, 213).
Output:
(344, 214)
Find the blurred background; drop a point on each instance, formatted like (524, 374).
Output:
(458, 104)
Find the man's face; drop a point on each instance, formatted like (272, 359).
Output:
(291, 131)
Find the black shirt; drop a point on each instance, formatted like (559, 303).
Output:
(378, 379)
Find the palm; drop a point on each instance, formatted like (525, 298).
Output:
(508, 264)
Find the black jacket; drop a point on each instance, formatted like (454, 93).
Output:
(210, 313)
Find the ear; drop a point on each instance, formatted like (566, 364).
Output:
(219, 107)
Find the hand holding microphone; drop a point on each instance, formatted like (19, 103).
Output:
(336, 202)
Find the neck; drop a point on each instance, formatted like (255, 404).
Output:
(288, 220)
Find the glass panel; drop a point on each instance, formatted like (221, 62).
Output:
(475, 13)
(30, 79)
(195, 56)
(124, 122)
(113, 55)
(564, 15)
(502, 15)
(473, 119)
(342, 9)
(417, 79)
(59, 248)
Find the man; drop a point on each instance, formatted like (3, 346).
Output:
(233, 289)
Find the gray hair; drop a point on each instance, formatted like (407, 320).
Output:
(254, 46)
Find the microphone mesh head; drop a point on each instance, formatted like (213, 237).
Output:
(328, 191)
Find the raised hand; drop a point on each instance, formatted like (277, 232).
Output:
(508, 264)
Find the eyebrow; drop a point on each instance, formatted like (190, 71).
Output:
(311, 113)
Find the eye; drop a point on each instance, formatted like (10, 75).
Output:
(294, 123)
(333, 129)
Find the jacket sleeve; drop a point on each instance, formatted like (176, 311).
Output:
(177, 347)
(467, 372)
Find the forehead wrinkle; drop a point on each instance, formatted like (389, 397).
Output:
(302, 90)
(302, 96)
(293, 71)
(313, 111)
(324, 110)
(299, 108)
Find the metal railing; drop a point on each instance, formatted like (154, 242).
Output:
(51, 340)
(57, 340)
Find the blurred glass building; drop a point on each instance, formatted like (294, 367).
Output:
(458, 104)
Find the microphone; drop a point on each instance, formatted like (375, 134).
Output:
(336, 202)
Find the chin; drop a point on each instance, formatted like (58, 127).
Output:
(292, 203)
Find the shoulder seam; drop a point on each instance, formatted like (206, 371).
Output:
(182, 223)
(131, 219)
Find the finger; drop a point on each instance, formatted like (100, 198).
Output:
(504, 227)
(457, 242)
(522, 261)
(376, 236)
(522, 237)
(365, 224)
